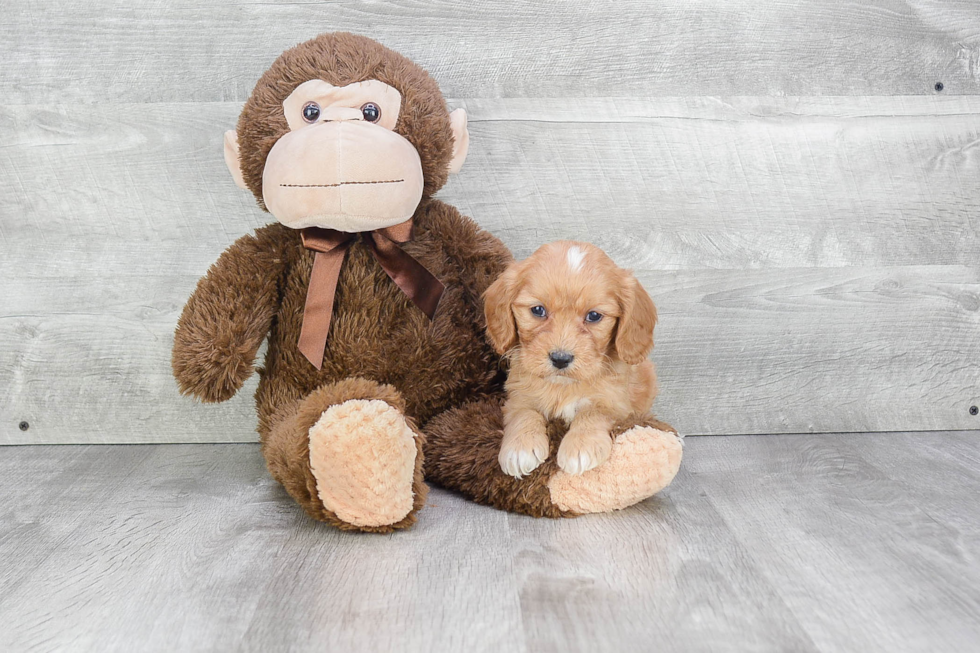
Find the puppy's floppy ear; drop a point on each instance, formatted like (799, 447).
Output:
(497, 302)
(634, 332)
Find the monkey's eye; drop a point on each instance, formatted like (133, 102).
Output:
(538, 311)
(311, 112)
(371, 112)
(593, 316)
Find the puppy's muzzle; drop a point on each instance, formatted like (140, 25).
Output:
(561, 359)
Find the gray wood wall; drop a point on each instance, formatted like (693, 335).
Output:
(800, 200)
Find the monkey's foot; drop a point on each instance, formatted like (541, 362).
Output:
(363, 455)
(643, 461)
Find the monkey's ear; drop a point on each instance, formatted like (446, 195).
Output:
(231, 158)
(461, 139)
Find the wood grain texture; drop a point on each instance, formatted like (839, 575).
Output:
(799, 543)
(814, 259)
(666, 576)
(186, 51)
(792, 351)
(819, 504)
(731, 183)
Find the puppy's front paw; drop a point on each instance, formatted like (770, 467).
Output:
(581, 451)
(520, 454)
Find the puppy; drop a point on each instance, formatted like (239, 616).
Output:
(577, 330)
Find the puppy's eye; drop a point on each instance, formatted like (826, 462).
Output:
(311, 112)
(593, 316)
(371, 112)
(538, 311)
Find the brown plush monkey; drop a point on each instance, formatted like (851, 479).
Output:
(369, 292)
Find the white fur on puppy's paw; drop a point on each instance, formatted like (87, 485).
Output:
(580, 452)
(520, 458)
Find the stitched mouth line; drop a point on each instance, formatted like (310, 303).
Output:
(343, 183)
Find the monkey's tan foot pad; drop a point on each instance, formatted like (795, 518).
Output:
(644, 460)
(362, 454)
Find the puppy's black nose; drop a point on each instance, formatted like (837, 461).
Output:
(561, 359)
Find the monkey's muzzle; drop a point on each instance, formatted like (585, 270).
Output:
(347, 175)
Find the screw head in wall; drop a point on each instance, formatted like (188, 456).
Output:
(24, 426)
(939, 86)
(974, 410)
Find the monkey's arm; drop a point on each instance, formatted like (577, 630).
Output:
(228, 316)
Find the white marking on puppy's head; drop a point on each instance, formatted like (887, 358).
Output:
(575, 258)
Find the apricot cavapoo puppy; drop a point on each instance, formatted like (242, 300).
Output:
(577, 330)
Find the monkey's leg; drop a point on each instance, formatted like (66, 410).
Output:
(461, 454)
(646, 454)
(348, 455)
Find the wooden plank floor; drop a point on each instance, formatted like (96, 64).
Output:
(781, 543)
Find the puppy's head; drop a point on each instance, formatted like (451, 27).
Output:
(568, 310)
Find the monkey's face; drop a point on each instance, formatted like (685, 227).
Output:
(354, 155)
(342, 165)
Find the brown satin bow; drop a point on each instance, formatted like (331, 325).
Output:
(330, 246)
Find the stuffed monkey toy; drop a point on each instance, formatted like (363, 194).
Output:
(369, 292)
